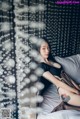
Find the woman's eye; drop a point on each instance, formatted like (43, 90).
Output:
(43, 48)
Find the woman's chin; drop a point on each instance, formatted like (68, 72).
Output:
(46, 57)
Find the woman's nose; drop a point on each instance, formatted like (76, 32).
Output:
(47, 50)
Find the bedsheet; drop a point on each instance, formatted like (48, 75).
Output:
(62, 114)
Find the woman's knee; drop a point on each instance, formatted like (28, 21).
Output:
(63, 91)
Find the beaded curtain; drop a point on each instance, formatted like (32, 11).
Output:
(22, 24)
(63, 27)
(8, 97)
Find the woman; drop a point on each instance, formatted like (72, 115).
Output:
(51, 71)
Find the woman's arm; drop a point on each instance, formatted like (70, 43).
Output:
(58, 83)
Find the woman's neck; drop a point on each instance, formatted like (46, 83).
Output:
(45, 60)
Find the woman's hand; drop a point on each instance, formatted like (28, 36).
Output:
(59, 83)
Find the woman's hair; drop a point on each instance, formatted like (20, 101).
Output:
(37, 48)
(50, 55)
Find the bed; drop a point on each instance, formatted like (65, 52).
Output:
(71, 66)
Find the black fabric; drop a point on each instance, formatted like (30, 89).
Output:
(52, 70)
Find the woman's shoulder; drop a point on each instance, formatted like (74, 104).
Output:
(55, 64)
(44, 66)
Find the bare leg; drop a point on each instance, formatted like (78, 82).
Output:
(73, 99)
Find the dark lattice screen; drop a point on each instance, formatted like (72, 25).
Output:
(63, 28)
(20, 20)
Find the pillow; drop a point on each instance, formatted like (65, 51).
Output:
(71, 66)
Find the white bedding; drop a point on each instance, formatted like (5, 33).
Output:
(63, 114)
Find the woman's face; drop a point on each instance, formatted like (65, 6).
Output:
(44, 50)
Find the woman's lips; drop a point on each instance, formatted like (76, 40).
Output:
(46, 54)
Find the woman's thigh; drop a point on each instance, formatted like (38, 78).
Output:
(69, 97)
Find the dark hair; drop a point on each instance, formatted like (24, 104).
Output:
(50, 55)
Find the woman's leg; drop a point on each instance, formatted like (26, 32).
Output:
(70, 97)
